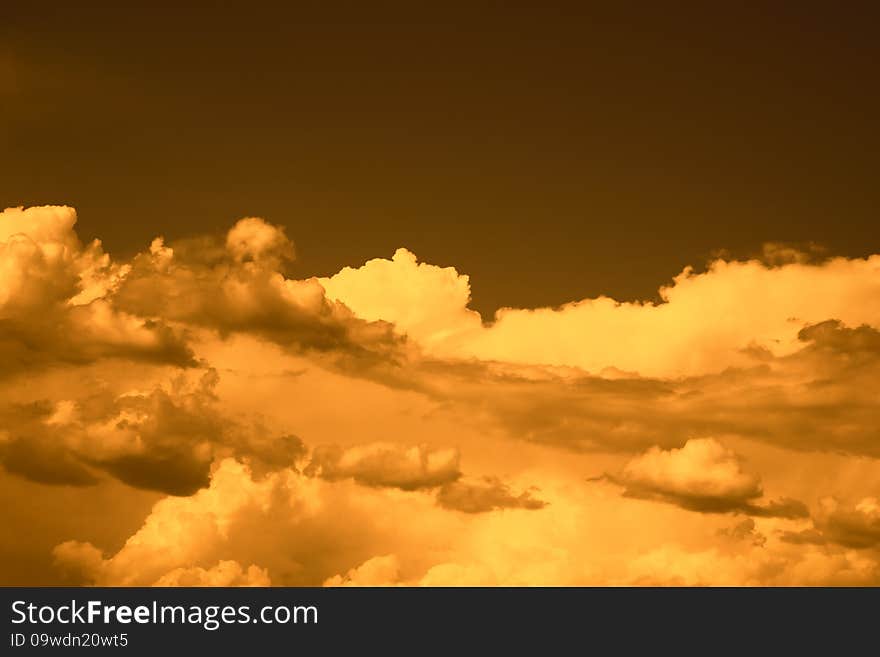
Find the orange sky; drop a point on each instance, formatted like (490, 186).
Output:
(462, 294)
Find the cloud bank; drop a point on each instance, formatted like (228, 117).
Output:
(245, 427)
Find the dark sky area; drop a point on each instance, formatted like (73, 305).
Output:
(552, 153)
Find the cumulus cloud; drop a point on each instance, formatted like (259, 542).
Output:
(705, 323)
(301, 529)
(386, 464)
(305, 530)
(482, 495)
(176, 378)
(239, 286)
(54, 305)
(426, 302)
(177, 531)
(702, 471)
(84, 563)
(703, 476)
(163, 439)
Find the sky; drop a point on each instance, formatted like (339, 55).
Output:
(475, 294)
(496, 138)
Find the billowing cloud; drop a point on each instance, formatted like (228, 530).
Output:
(426, 302)
(302, 529)
(172, 388)
(702, 476)
(178, 530)
(305, 530)
(164, 439)
(703, 472)
(239, 286)
(54, 305)
(706, 322)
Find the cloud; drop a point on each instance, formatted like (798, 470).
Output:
(49, 226)
(238, 286)
(745, 530)
(82, 562)
(308, 531)
(483, 495)
(225, 573)
(53, 299)
(378, 571)
(758, 566)
(426, 302)
(821, 397)
(705, 323)
(172, 384)
(776, 254)
(833, 336)
(857, 527)
(163, 439)
(386, 465)
(301, 529)
(176, 532)
(253, 239)
(701, 476)
(784, 507)
(386, 571)
(852, 526)
(28, 448)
